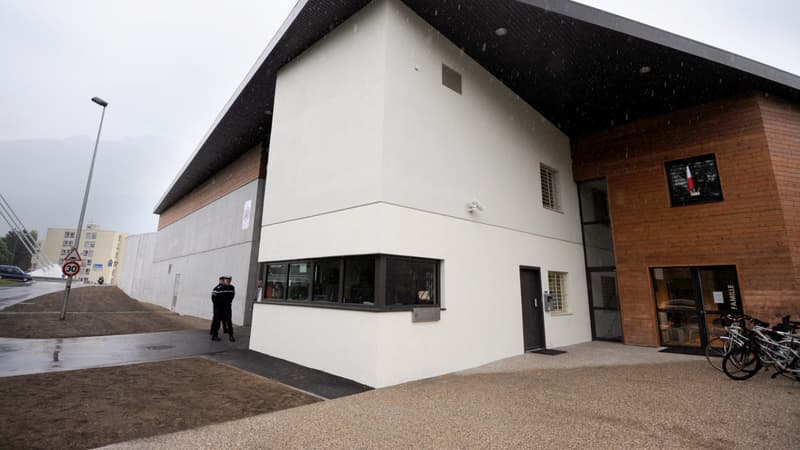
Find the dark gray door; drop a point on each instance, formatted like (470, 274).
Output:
(532, 309)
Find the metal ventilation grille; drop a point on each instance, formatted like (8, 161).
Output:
(451, 78)
(558, 289)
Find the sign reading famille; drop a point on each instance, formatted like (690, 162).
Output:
(694, 180)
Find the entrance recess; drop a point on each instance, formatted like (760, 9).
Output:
(601, 273)
(532, 309)
(690, 302)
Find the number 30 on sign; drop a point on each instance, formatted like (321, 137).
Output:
(71, 268)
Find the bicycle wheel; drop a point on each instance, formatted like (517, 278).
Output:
(791, 365)
(741, 363)
(716, 350)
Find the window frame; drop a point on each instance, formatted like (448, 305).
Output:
(436, 282)
(563, 299)
(380, 261)
(555, 204)
(675, 203)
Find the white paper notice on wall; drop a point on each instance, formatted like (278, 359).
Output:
(718, 297)
(246, 214)
(658, 274)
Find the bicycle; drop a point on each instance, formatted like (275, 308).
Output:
(778, 347)
(734, 337)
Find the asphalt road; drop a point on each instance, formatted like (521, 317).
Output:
(10, 295)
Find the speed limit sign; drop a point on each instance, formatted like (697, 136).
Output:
(71, 268)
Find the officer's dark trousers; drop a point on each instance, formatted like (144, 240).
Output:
(227, 315)
(218, 313)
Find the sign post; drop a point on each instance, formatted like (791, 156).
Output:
(102, 103)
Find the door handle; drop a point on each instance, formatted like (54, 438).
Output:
(535, 302)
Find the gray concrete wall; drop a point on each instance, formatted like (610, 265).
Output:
(179, 265)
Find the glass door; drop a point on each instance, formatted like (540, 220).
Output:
(601, 274)
(690, 302)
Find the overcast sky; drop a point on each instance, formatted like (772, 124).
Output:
(168, 67)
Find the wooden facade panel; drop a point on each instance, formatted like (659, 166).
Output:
(248, 167)
(782, 126)
(746, 229)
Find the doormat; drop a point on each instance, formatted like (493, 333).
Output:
(547, 351)
(684, 350)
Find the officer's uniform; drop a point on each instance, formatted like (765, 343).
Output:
(222, 297)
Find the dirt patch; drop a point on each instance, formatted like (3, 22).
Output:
(95, 407)
(92, 311)
(85, 299)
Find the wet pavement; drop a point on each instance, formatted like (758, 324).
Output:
(29, 356)
(306, 379)
(11, 295)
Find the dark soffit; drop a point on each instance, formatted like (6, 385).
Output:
(578, 66)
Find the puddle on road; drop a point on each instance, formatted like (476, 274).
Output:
(159, 347)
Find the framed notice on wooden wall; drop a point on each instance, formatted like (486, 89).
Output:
(693, 180)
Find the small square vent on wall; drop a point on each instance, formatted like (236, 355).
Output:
(451, 78)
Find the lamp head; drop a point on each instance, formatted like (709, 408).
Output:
(100, 101)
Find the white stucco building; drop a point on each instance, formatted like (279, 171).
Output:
(373, 155)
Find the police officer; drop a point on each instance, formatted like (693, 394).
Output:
(222, 298)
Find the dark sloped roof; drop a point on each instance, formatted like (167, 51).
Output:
(582, 68)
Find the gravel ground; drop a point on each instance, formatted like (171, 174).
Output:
(667, 405)
(93, 311)
(92, 407)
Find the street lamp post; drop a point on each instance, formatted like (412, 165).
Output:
(103, 104)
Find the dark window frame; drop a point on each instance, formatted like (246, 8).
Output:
(694, 270)
(381, 261)
(436, 282)
(675, 202)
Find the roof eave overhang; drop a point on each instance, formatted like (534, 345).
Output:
(322, 16)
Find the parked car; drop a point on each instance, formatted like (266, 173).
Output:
(14, 273)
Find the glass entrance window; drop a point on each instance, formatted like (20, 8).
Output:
(598, 247)
(690, 302)
(676, 301)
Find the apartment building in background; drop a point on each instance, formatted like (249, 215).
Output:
(101, 251)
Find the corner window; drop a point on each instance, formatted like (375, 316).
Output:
(549, 178)
(410, 281)
(371, 282)
(693, 180)
(557, 283)
(276, 281)
(326, 281)
(299, 281)
(359, 280)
